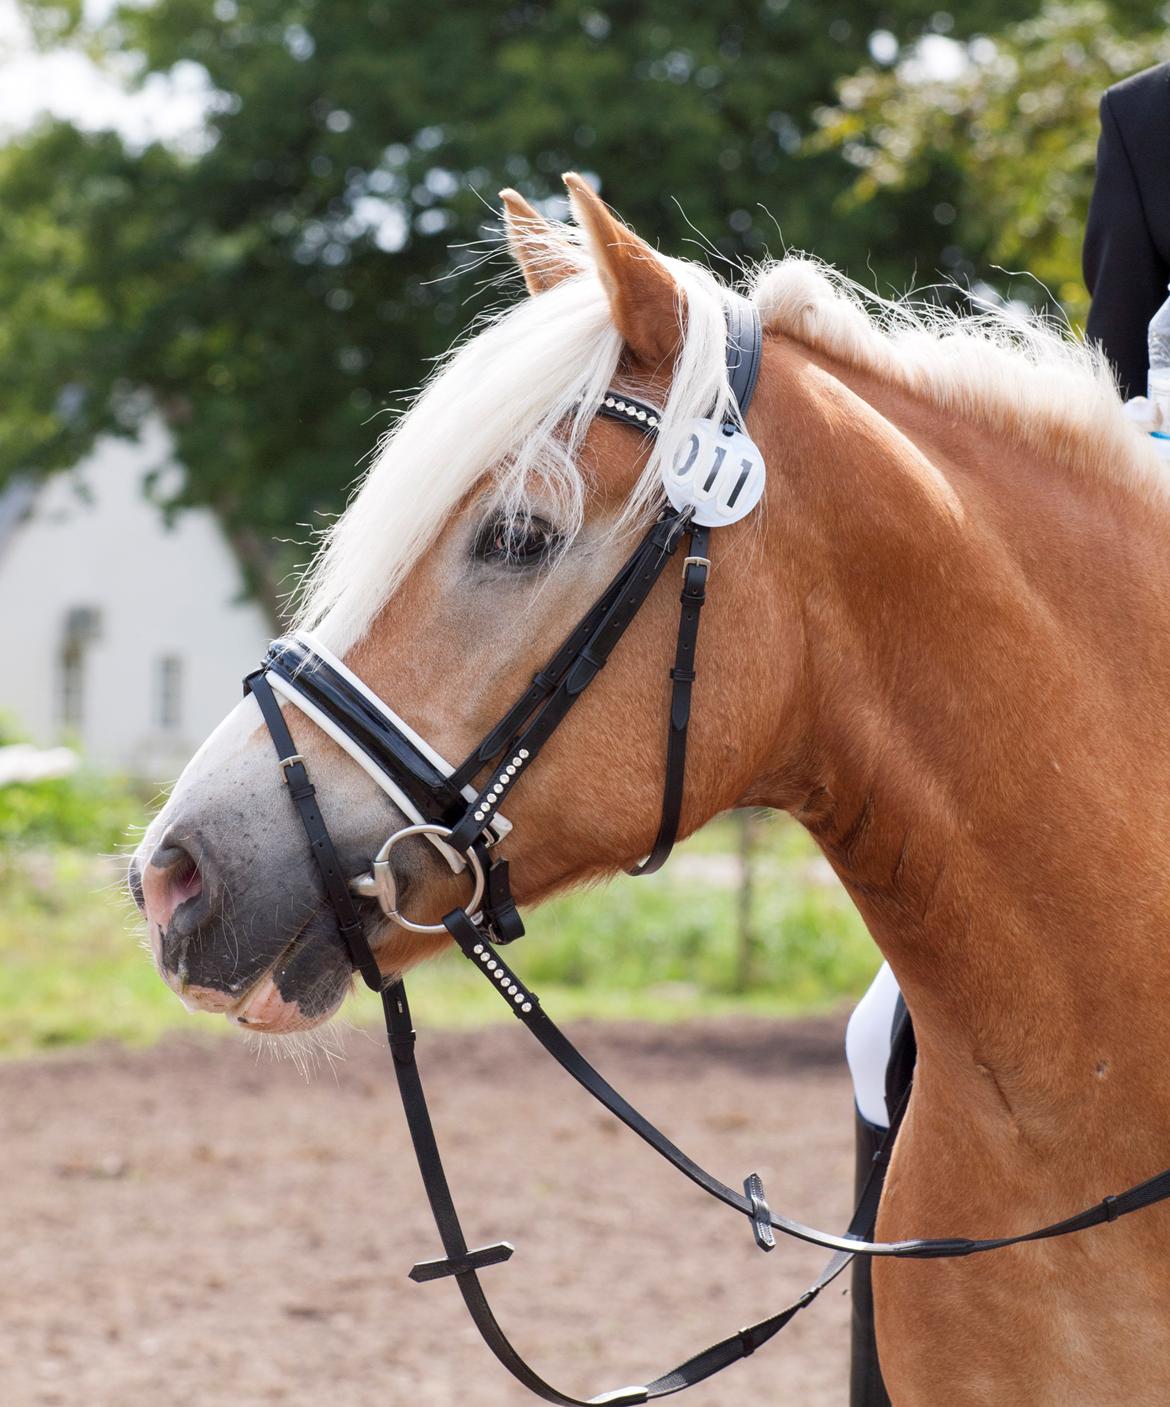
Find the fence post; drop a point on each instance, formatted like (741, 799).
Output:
(746, 829)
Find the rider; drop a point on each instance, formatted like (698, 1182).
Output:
(1127, 238)
(1126, 262)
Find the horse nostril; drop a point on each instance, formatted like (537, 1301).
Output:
(169, 854)
(134, 884)
(172, 878)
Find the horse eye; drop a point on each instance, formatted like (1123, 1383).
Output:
(516, 542)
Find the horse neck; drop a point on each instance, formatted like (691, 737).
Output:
(986, 682)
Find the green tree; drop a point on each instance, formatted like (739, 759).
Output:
(1016, 133)
(268, 288)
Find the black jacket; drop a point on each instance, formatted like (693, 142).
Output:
(1127, 239)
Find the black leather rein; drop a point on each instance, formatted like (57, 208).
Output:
(462, 815)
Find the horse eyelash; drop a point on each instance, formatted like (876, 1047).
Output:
(497, 534)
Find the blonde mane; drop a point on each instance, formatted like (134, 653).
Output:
(1016, 375)
(508, 408)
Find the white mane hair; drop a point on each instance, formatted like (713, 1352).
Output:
(512, 404)
(1019, 375)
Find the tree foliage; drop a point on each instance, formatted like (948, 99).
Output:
(273, 286)
(1016, 130)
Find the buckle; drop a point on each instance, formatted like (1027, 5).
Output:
(499, 908)
(753, 1188)
(379, 883)
(696, 575)
(284, 763)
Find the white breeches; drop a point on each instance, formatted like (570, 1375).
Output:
(867, 1046)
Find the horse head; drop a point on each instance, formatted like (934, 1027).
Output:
(495, 513)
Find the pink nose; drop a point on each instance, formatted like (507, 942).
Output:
(170, 879)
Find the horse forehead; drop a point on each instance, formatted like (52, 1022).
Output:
(611, 460)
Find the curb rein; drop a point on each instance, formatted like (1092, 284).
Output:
(462, 820)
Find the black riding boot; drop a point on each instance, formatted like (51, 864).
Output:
(866, 1388)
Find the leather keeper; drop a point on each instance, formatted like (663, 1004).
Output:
(753, 1188)
(499, 908)
(694, 590)
(459, 1265)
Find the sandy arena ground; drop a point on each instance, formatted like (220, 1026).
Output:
(194, 1226)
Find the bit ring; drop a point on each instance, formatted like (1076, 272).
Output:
(380, 885)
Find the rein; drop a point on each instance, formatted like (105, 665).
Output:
(718, 480)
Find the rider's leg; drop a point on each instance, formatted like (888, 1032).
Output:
(879, 1048)
(866, 1388)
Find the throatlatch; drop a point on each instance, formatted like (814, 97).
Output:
(716, 477)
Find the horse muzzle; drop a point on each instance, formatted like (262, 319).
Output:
(294, 977)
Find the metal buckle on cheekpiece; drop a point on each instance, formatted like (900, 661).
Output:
(380, 885)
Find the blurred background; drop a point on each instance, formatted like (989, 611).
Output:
(231, 236)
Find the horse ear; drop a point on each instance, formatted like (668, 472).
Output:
(646, 302)
(542, 257)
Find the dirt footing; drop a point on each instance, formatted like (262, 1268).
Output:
(194, 1226)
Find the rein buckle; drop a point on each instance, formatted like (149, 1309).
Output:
(753, 1188)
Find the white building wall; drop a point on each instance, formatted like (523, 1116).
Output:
(159, 592)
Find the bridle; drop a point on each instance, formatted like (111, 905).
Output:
(708, 484)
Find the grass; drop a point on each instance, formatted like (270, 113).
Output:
(662, 948)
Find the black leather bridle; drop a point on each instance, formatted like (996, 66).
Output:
(461, 815)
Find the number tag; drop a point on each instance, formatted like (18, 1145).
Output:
(716, 470)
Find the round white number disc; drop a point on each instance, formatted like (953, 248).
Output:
(716, 470)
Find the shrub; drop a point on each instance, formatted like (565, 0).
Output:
(86, 810)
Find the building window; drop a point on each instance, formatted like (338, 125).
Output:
(71, 697)
(82, 627)
(168, 691)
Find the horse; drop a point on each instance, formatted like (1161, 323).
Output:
(939, 643)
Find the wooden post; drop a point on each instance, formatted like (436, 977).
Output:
(746, 825)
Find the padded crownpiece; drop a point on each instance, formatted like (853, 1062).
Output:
(745, 350)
